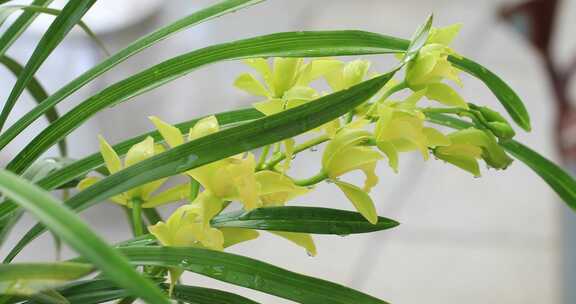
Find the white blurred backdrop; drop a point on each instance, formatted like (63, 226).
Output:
(496, 239)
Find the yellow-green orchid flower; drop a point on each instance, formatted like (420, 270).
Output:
(348, 75)
(285, 83)
(469, 145)
(400, 128)
(346, 153)
(303, 240)
(431, 66)
(135, 154)
(275, 189)
(232, 178)
(189, 225)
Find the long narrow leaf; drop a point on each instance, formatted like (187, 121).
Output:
(558, 179)
(6, 11)
(100, 291)
(250, 273)
(135, 47)
(19, 26)
(94, 161)
(37, 92)
(302, 219)
(508, 98)
(72, 230)
(88, 292)
(70, 16)
(289, 44)
(29, 278)
(418, 39)
(214, 147)
(202, 295)
(8, 209)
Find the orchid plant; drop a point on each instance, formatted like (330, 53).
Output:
(305, 98)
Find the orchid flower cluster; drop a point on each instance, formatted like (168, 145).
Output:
(379, 130)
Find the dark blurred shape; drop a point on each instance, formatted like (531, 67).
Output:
(535, 20)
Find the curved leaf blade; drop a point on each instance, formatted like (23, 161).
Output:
(313, 220)
(508, 98)
(72, 230)
(290, 44)
(19, 26)
(211, 12)
(249, 273)
(29, 278)
(5, 12)
(70, 16)
(202, 295)
(217, 146)
(86, 292)
(100, 291)
(418, 40)
(559, 180)
(95, 161)
(37, 92)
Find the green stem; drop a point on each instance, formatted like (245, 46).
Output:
(476, 117)
(320, 177)
(152, 215)
(299, 148)
(137, 217)
(398, 87)
(263, 156)
(444, 110)
(350, 117)
(194, 189)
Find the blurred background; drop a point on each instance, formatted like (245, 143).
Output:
(502, 238)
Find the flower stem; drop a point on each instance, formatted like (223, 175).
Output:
(194, 189)
(299, 148)
(399, 87)
(263, 156)
(320, 177)
(137, 217)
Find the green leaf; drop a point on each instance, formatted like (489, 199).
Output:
(139, 241)
(418, 40)
(93, 162)
(249, 273)
(100, 291)
(37, 171)
(302, 219)
(558, 179)
(360, 199)
(6, 11)
(207, 149)
(291, 44)
(70, 16)
(19, 26)
(29, 278)
(135, 47)
(201, 295)
(508, 98)
(72, 230)
(37, 92)
(88, 292)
